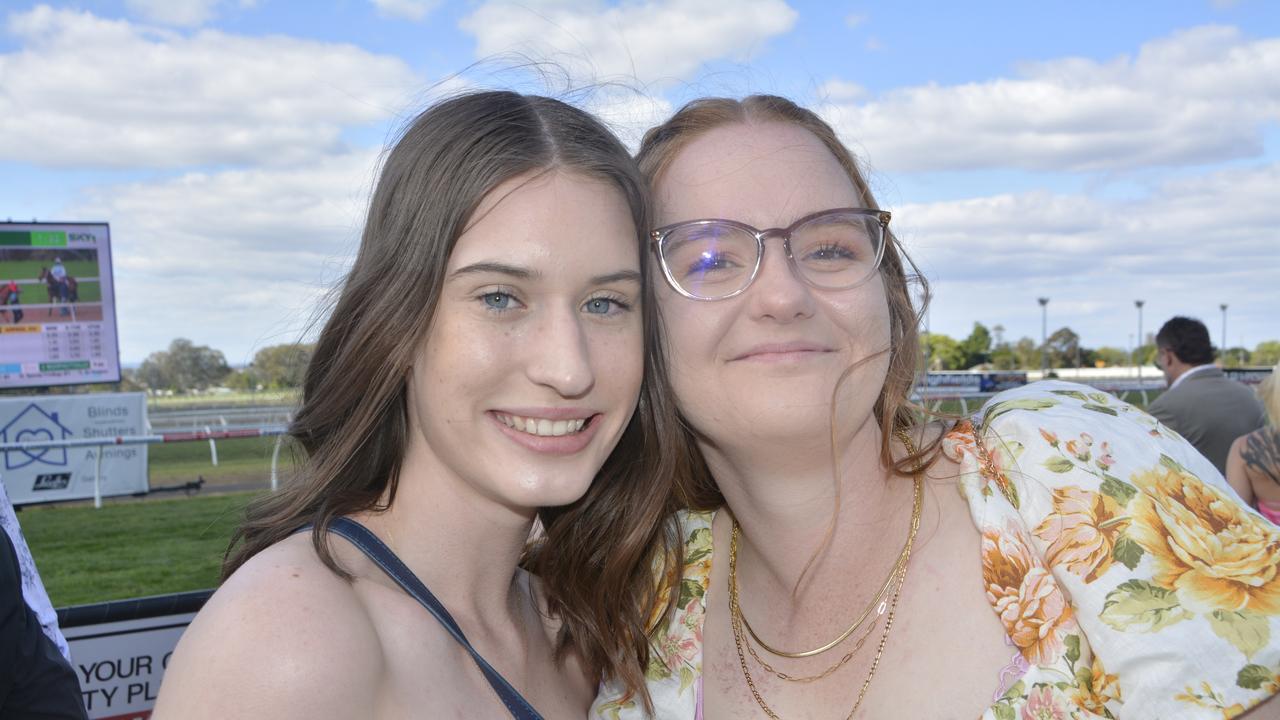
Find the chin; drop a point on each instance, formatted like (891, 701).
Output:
(550, 489)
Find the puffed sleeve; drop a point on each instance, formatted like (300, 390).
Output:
(1118, 557)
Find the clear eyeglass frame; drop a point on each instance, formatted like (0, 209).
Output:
(660, 235)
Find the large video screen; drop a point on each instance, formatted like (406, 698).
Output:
(57, 305)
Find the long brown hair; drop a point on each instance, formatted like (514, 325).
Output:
(893, 409)
(594, 557)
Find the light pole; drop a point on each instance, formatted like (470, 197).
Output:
(1224, 333)
(1138, 348)
(1044, 337)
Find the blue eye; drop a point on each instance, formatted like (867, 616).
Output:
(604, 306)
(496, 300)
(709, 262)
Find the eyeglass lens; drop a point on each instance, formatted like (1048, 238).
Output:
(714, 259)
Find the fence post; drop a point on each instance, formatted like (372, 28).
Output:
(213, 447)
(275, 461)
(97, 480)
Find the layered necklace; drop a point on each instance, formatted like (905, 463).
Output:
(884, 601)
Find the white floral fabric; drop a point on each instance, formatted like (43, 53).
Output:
(1129, 576)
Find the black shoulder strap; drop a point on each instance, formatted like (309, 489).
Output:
(370, 545)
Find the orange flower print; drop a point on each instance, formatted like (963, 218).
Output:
(1081, 531)
(1205, 546)
(960, 441)
(1044, 703)
(1049, 437)
(1024, 594)
(1097, 689)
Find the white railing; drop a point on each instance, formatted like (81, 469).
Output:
(277, 431)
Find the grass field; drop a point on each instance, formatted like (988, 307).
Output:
(131, 549)
(239, 460)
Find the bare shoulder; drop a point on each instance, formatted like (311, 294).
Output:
(284, 637)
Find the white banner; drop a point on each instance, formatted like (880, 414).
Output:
(37, 475)
(120, 664)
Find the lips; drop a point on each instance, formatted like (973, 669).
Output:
(551, 431)
(794, 350)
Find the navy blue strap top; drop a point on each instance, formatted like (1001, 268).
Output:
(370, 545)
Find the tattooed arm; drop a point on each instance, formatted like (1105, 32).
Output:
(1259, 453)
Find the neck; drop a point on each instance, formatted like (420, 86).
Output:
(786, 501)
(464, 545)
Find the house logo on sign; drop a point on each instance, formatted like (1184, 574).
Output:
(33, 424)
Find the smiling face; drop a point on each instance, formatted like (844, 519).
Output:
(533, 363)
(762, 367)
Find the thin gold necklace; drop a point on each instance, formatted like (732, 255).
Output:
(736, 608)
(877, 600)
(735, 616)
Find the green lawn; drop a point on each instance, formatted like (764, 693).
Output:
(131, 549)
(180, 462)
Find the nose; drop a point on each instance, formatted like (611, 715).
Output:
(560, 356)
(778, 293)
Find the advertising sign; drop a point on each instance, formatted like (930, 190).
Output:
(57, 305)
(38, 475)
(121, 649)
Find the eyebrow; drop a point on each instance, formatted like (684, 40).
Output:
(524, 273)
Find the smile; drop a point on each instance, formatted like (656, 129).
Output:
(542, 427)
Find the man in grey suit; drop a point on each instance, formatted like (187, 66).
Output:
(1201, 404)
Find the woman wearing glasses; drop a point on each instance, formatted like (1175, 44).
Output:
(1066, 558)
(485, 356)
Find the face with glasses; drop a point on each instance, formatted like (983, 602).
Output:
(772, 286)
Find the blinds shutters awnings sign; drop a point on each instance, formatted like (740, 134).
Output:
(49, 474)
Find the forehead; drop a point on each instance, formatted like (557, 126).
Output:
(550, 221)
(764, 174)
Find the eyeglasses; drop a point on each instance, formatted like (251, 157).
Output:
(717, 259)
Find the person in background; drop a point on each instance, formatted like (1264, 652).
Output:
(36, 677)
(1202, 405)
(1253, 467)
(12, 296)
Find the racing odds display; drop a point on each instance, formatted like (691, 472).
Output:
(57, 305)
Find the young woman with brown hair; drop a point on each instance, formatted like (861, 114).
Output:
(1065, 556)
(492, 352)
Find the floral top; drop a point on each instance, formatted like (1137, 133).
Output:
(1129, 576)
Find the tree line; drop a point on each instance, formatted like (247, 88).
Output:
(1063, 350)
(185, 367)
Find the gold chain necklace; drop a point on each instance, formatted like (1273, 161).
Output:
(900, 570)
(738, 617)
(877, 601)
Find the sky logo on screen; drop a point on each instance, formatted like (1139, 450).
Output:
(34, 424)
(52, 481)
(82, 237)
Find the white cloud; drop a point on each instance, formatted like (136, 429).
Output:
(650, 40)
(1186, 247)
(182, 13)
(1199, 96)
(841, 91)
(415, 10)
(86, 91)
(235, 259)
(854, 20)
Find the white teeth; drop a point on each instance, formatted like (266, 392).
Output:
(542, 426)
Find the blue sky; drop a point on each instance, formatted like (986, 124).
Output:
(1092, 153)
